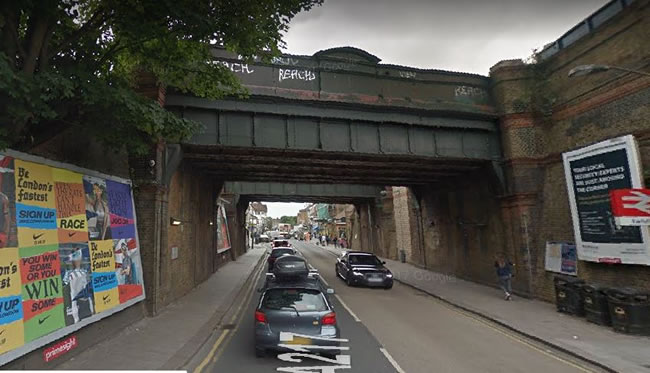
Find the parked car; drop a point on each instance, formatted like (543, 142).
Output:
(362, 268)
(264, 238)
(278, 252)
(294, 301)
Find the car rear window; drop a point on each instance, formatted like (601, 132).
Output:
(294, 299)
(281, 243)
(276, 253)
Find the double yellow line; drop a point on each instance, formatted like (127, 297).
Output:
(512, 336)
(236, 317)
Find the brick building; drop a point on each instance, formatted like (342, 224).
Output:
(303, 217)
(542, 114)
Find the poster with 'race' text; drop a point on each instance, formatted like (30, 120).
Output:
(69, 251)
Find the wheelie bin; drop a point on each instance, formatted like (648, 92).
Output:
(596, 306)
(568, 295)
(630, 310)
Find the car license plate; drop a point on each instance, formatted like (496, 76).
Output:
(299, 341)
(375, 278)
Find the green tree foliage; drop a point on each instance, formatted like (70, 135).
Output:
(75, 63)
(292, 220)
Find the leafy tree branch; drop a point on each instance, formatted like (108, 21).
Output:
(78, 63)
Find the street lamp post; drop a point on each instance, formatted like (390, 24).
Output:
(583, 70)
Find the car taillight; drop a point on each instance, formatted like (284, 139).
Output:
(260, 317)
(329, 319)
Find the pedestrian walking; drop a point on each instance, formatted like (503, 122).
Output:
(336, 242)
(328, 240)
(504, 273)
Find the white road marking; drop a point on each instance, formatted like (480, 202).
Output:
(324, 281)
(391, 360)
(288, 337)
(354, 316)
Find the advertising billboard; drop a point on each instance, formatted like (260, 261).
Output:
(223, 241)
(591, 173)
(69, 252)
(561, 258)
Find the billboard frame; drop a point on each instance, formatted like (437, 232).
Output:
(607, 252)
(66, 330)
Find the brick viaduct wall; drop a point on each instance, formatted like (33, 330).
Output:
(191, 200)
(456, 228)
(543, 113)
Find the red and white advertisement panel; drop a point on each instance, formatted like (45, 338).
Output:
(592, 174)
(631, 206)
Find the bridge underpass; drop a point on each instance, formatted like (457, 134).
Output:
(342, 118)
(367, 220)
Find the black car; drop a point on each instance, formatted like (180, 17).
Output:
(362, 268)
(278, 252)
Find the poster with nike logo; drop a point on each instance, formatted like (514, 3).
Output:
(104, 277)
(42, 290)
(70, 255)
(11, 303)
(35, 204)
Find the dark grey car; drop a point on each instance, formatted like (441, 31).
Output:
(362, 268)
(276, 253)
(300, 306)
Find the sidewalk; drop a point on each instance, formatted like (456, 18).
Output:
(168, 340)
(536, 319)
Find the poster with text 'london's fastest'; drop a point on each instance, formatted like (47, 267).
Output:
(69, 251)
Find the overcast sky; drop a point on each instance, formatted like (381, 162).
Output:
(279, 209)
(456, 35)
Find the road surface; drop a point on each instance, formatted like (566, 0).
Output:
(396, 330)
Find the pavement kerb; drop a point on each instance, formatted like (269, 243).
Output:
(509, 327)
(501, 323)
(199, 340)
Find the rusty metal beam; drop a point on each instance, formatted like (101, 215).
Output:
(317, 162)
(281, 169)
